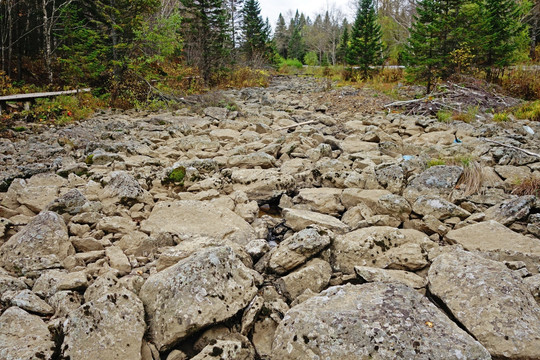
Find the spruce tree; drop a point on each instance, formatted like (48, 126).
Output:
(502, 34)
(206, 35)
(343, 43)
(254, 31)
(297, 45)
(365, 48)
(281, 37)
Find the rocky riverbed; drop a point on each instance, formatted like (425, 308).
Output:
(287, 226)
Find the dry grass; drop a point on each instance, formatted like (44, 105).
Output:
(472, 179)
(529, 186)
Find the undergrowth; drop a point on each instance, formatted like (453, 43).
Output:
(527, 186)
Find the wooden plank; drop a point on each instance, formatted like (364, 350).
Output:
(21, 97)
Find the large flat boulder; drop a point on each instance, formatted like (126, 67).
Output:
(301, 219)
(190, 218)
(371, 321)
(382, 247)
(40, 245)
(498, 242)
(203, 289)
(491, 301)
(437, 180)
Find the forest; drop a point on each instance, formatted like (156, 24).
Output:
(131, 52)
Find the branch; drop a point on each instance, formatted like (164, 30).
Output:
(512, 147)
(296, 125)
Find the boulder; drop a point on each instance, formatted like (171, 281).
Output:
(262, 184)
(322, 200)
(301, 219)
(263, 160)
(353, 196)
(371, 274)
(24, 336)
(375, 320)
(225, 350)
(314, 276)
(382, 247)
(511, 210)
(437, 180)
(124, 188)
(189, 218)
(71, 203)
(108, 328)
(498, 242)
(30, 302)
(39, 191)
(491, 302)
(208, 287)
(438, 207)
(40, 245)
(298, 248)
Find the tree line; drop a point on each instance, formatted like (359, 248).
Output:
(98, 42)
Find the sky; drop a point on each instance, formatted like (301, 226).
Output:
(271, 8)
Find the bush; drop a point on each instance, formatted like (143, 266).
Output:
(528, 186)
(529, 111)
(444, 116)
(311, 59)
(522, 83)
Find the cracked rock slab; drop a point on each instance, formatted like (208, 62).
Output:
(375, 320)
(491, 301)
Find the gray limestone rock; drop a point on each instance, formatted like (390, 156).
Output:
(301, 219)
(511, 210)
(314, 275)
(24, 336)
(40, 245)
(208, 287)
(108, 328)
(491, 301)
(187, 218)
(437, 180)
(71, 202)
(438, 207)
(298, 248)
(375, 320)
(382, 247)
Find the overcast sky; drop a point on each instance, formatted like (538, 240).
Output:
(271, 8)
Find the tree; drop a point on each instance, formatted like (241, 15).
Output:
(205, 35)
(234, 9)
(281, 37)
(502, 34)
(343, 43)
(297, 47)
(254, 31)
(365, 48)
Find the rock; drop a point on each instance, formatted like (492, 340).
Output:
(322, 200)
(24, 336)
(371, 274)
(375, 320)
(314, 276)
(39, 191)
(116, 319)
(257, 248)
(511, 210)
(40, 245)
(394, 205)
(249, 161)
(71, 203)
(65, 302)
(30, 302)
(140, 244)
(10, 283)
(217, 113)
(117, 224)
(491, 302)
(301, 219)
(123, 188)
(206, 288)
(118, 260)
(391, 177)
(497, 240)
(225, 350)
(352, 197)
(383, 247)
(262, 184)
(298, 248)
(186, 218)
(437, 180)
(438, 207)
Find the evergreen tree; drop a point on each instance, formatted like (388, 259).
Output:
(297, 47)
(254, 31)
(206, 35)
(281, 37)
(502, 34)
(365, 48)
(343, 43)
(234, 12)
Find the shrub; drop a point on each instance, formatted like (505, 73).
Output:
(528, 186)
(311, 59)
(522, 83)
(501, 117)
(530, 110)
(444, 115)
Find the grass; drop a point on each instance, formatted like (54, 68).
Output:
(472, 178)
(530, 110)
(527, 186)
(444, 116)
(501, 117)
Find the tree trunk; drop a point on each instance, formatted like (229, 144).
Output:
(47, 29)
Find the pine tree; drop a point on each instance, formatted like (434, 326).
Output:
(502, 34)
(343, 43)
(297, 44)
(234, 12)
(365, 48)
(423, 55)
(281, 37)
(206, 35)
(254, 31)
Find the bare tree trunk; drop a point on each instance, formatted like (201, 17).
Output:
(9, 4)
(47, 39)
